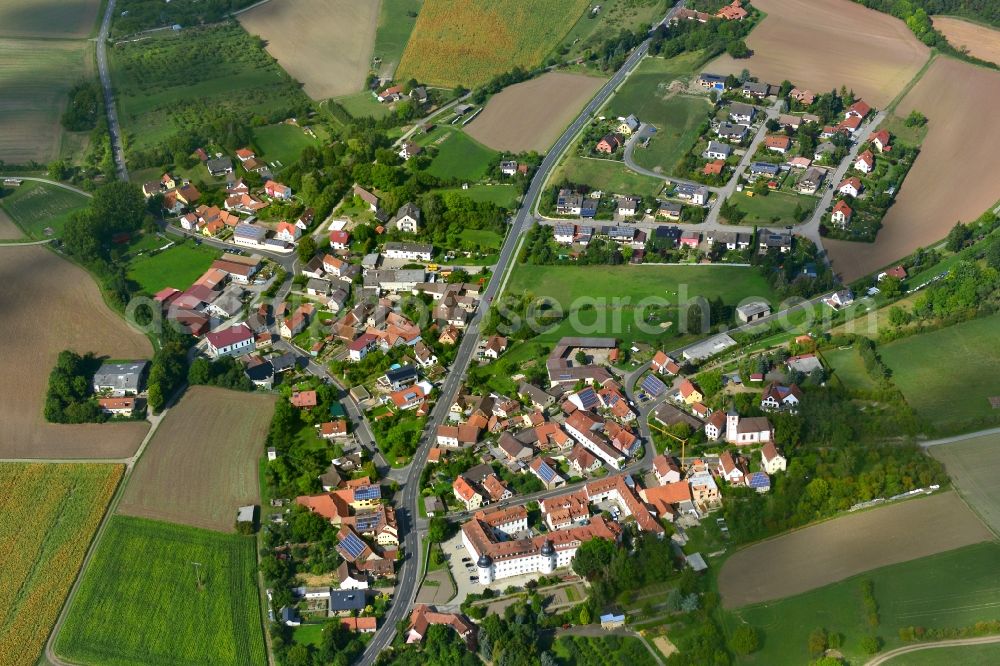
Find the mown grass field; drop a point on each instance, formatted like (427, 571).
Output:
(952, 589)
(459, 156)
(282, 143)
(948, 375)
(396, 19)
(607, 176)
(604, 300)
(35, 78)
(455, 41)
(48, 515)
(675, 137)
(484, 238)
(362, 105)
(178, 266)
(764, 209)
(143, 600)
(849, 369)
(646, 90)
(965, 655)
(35, 206)
(973, 465)
(173, 81)
(504, 196)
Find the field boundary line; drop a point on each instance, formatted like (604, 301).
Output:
(891, 107)
(906, 649)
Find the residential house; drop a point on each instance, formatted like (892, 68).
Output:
(626, 126)
(742, 113)
(880, 140)
(407, 219)
(219, 166)
(120, 379)
(779, 397)
(409, 251)
(471, 498)
(810, 180)
(508, 167)
(495, 346)
(627, 205)
(303, 399)
(804, 97)
(778, 143)
(608, 144)
(755, 89)
(732, 132)
(764, 169)
(664, 365)
(859, 110)
(717, 151)
(788, 120)
(771, 459)
(670, 210)
(410, 149)
(850, 186)
(733, 11)
(367, 197)
(712, 81)
(233, 341)
(277, 190)
(865, 162)
(123, 406)
(690, 239)
(666, 469)
(768, 240)
(732, 469)
(287, 232)
(696, 194)
(407, 398)
(824, 149)
(714, 168)
(546, 471)
(841, 215)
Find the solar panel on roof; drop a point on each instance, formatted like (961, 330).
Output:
(653, 386)
(367, 493)
(353, 545)
(588, 398)
(546, 472)
(759, 480)
(366, 522)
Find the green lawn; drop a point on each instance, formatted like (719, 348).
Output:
(484, 238)
(282, 143)
(615, 16)
(575, 288)
(972, 465)
(911, 136)
(762, 209)
(645, 90)
(505, 196)
(395, 24)
(947, 375)
(966, 655)
(848, 367)
(460, 157)
(363, 104)
(680, 117)
(177, 267)
(35, 206)
(171, 82)
(952, 589)
(157, 593)
(308, 634)
(608, 176)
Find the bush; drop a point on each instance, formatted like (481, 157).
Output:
(744, 640)
(870, 644)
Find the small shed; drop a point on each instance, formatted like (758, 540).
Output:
(696, 562)
(612, 621)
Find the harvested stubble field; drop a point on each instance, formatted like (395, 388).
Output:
(8, 230)
(66, 19)
(954, 177)
(144, 601)
(973, 465)
(468, 43)
(980, 41)
(300, 36)
(63, 505)
(825, 44)
(532, 115)
(35, 78)
(843, 547)
(48, 305)
(202, 463)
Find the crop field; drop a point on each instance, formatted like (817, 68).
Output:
(68, 19)
(980, 41)
(396, 19)
(63, 505)
(458, 156)
(973, 465)
(824, 45)
(683, 115)
(211, 440)
(161, 594)
(945, 360)
(606, 175)
(846, 546)
(504, 196)
(36, 206)
(764, 209)
(35, 77)
(8, 230)
(955, 588)
(298, 35)
(954, 96)
(575, 287)
(177, 267)
(282, 143)
(174, 81)
(531, 115)
(49, 305)
(468, 43)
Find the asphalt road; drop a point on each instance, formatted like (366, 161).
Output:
(109, 96)
(407, 506)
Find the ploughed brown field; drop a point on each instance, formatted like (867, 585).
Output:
(532, 115)
(954, 178)
(824, 44)
(202, 462)
(981, 41)
(8, 230)
(843, 547)
(324, 44)
(48, 305)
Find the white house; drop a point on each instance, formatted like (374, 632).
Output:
(233, 341)
(718, 151)
(409, 251)
(408, 218)
(771, 459)
(850, 186)
(285, 231)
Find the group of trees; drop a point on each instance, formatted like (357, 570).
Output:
(168, 370)
(84, 108)
(917, 15)
(69, 398)
(225, 372)
(140, 15)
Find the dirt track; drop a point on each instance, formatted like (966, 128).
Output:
(325, 44)
(982, 42)
(824, 44)
(48, 305)
(954, 178)
(532, 115)
(202, 463)
(837, 549)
